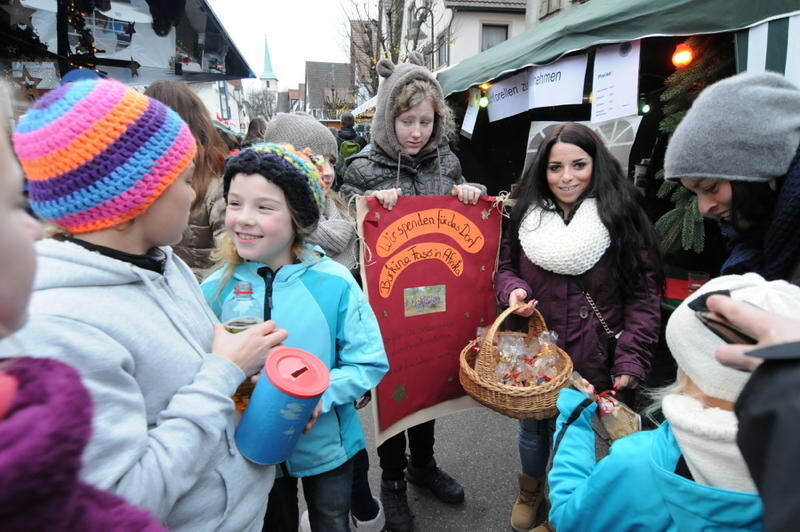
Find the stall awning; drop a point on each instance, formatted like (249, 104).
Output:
(367, 107)
(773, 46)
(607, 21)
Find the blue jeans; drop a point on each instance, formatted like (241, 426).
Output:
(327, 497)
(535, 440)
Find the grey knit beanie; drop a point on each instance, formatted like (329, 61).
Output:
(302, 131)
(397, 77)
(743, 128)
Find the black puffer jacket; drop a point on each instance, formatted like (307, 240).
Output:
(430, 174)
(349, 133)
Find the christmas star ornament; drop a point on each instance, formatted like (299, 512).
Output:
(134, 67)
(28, 82)
(18, 14)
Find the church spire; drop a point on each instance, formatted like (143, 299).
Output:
(268, 74)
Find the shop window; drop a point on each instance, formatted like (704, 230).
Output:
(493, 34)
(547, 7)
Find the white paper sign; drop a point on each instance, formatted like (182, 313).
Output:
(558, 84)
(615, 89)
(508, 97)
(471, 115)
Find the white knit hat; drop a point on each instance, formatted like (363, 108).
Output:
(693, 345)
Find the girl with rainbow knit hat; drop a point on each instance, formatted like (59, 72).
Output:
(111, 169)
(274, 198)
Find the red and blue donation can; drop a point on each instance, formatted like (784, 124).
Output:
(284, 398)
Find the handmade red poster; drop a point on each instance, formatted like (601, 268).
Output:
(427, 269)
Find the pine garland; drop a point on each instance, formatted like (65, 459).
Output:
(682, 228)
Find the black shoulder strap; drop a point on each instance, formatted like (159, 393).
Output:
(572, 417)
(682, 469)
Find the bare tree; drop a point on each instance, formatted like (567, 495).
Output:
(373, 33)
(336, 101)
(261, 102)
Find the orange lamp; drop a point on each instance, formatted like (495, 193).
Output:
(683, 55)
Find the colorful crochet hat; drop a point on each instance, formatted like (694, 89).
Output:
(97, 153)
(291, 170)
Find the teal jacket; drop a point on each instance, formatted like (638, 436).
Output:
(325, 312)
(635, 487)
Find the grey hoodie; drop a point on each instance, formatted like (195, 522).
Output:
(385, 163)
(163, 420)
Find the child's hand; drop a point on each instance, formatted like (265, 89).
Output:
(314, 417)
(467, 194)
(517, 297)
(582, 385)
(248, 349)
(388, 197)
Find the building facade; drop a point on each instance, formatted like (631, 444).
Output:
(328, 89)
(448, 31)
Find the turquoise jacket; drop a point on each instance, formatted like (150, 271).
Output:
(635, 486)
(325, 312)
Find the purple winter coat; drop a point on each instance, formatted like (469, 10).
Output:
(566, 311)
(42, 438)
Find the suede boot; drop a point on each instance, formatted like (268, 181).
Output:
(544, 527)
(531, 493)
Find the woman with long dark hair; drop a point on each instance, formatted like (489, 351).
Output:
(579, 243)
(208, 208)
(738, 150)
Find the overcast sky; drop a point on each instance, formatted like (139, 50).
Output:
(296, 30)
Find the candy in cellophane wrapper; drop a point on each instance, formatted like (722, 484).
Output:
(617, 418)
(525, 361)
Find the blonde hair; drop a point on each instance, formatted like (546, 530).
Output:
(418, 91)
(683, 385)
(226, 257)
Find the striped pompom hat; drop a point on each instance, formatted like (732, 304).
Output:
(291, 170)
(97, 154)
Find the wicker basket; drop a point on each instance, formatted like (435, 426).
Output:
(478, 378)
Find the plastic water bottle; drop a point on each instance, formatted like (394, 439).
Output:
(239, 314)
(242, 311)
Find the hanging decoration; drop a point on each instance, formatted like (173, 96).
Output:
(28, 83)
(85, 45)
(18, 14)
(134, 68)
(166, 14)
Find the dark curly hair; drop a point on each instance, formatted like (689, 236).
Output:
(618, 203)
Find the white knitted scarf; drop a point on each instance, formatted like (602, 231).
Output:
(707, 438)
(566, 249)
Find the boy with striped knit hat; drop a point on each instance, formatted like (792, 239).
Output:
(112, 169)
